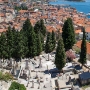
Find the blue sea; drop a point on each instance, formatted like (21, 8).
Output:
(80, 6)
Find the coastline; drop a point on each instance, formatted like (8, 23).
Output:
(67, 5)
(76, 0)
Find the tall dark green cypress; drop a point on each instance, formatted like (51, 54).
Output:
(68, 34)
(40, 27)
(48, 46)
(53, 40)
(28, 32)
(83, 53)
(26, 25)
(24, 44)
(39, 43)
(42, 41)
(3, 46)
(73, 32)
(60, 55)
(10, 42)
(37, 27)
(20, 48)
(32, 45)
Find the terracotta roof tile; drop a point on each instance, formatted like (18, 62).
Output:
(50, 28)
(2, 30)
(87, 29)
(77, 31)
(78, 44)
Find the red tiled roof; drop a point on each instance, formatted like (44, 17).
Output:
(87, 29)
(50, 28)
(77, 31)
(78, 44)
(2, 30)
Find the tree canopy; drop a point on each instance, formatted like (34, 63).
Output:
(60, 55)
(28, 42)
(68, 34)
(17, 86)
(83, 52)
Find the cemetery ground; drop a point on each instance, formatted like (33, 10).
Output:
(40, 73)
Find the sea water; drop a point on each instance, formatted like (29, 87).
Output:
(80, 6)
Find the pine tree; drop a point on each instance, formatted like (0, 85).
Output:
(68, 34)
(53, 40)
(48, 46)
(60, 55)
(82, 59)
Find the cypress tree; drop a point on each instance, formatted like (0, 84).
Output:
(30, 38)
(53, 40)
(60, 55)
(73, 32)
(40, 27)
(37, 27)
(32, 45)
(48, 46)
(42, 40)
(10, 42)
(3, 46)
(26, 25)
(82, 59)
(39, 43)
(68, 34)
(24, 43)
(20, 48)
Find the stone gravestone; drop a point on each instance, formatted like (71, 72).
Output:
(29, 73)
(26, 66)
(13, 70)
(11, 63)
(38, 81)
(32, 84)
(48, 56)
(40, 64)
